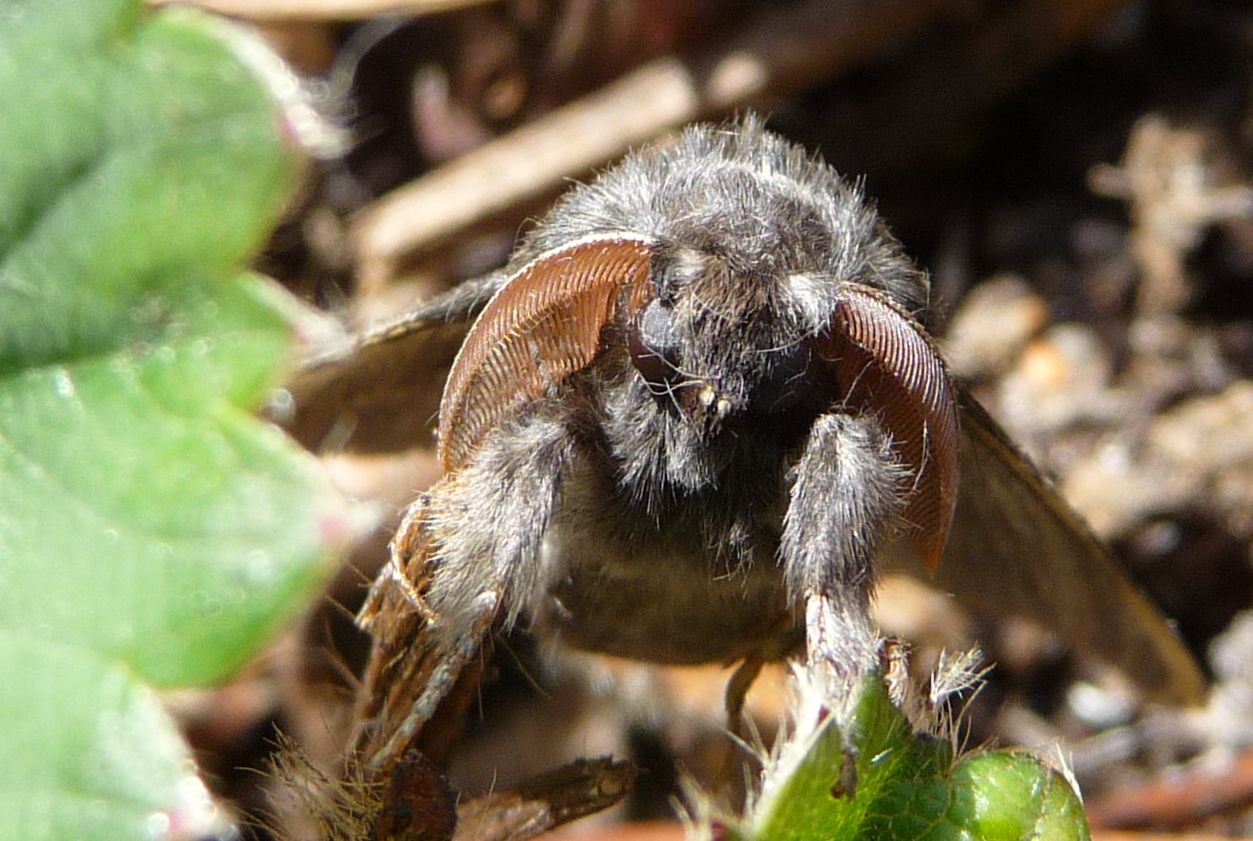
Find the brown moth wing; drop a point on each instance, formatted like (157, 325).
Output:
(541, 327)
(886, 363)
(379, 391)
(1017, 548)
(406, 672)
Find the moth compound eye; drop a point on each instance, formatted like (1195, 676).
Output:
(654, 345)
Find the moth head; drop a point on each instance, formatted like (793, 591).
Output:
(762, 345)
(718, 341)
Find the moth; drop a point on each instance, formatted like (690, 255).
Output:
(696, 414)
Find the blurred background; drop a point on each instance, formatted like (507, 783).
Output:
(1074, 173)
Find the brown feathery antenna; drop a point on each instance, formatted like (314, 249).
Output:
(885, 363)
(544, 325)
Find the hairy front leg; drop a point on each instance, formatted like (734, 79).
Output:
(466, 554)
(846, 499)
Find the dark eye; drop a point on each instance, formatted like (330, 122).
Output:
(654, 344)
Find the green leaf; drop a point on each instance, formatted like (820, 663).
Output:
(1013, 796)
(147, 161)
(111, 768)
(149, 518)
(152, 531)
(877, 779)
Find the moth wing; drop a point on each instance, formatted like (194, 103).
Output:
(1017, 548)
(378, 391)
(542, 326)
(419, 681)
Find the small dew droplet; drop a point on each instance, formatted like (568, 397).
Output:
(157, 825)
(64, 384)
(259, 568)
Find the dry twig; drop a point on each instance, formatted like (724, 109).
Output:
(322, 10)
(781, 51)
(1177, 801)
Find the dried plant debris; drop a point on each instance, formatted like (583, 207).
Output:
(1178, 180)
(1200, 452)
(546, 801)
(414, 802)
(993, 326)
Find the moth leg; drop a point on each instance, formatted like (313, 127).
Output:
(747, 672)
(846, 496)
(467, 554)
(736, 696)
(742, 680)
